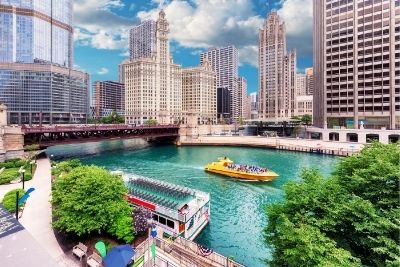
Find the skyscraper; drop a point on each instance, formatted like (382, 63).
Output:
(108, 97)
(242, 97)
(224, 61)
(301, 84)
(357, 63)
(199, 94)
(309, 81)
(36, 80)
(143, 40)
(36, 31)
(153, 86)
(277, 71)
(254, 105)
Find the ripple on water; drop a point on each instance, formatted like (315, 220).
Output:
(237, 207)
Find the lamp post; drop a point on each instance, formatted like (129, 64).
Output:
(16, 205)
(23, 178)
(31, 163)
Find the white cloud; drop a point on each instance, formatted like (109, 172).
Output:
(102, 71)
(298, 17)
(207, 23)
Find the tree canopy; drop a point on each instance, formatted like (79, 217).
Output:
(348, 219)
(88, 199)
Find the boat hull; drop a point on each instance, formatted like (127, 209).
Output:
(268, 176)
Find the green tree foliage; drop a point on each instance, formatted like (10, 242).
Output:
(348, 219)
(306, 119)
(113, 118)
(9, 200)
(88, 199)
(151, 122)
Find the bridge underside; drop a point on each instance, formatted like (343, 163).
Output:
(46, 139)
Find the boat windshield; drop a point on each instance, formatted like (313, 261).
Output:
(246, 168)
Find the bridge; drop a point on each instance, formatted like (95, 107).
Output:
(46, 136)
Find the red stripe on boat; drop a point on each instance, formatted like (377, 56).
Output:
(142, 203)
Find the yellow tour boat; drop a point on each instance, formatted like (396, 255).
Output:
(226, 167)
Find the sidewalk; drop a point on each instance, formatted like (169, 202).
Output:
(36, 217)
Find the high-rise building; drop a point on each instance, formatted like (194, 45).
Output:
(246, 108)
(223, 103)
(143, 40)
(242, 97)
(36, 55)
(44, 93)
(277, 71)
(309, 81)
(36, 31)
(254, 105)
(301, 84)
(224, 61)
(108, 97)
(199, 94)
(304, 105)
(356, 63)
(153, 86)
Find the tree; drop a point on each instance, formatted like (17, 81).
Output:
(151, 122)
(348, 219)
(113, 118)
(89, 199)
(306, 119)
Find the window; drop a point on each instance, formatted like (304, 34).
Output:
(170, 224)
(162, 220)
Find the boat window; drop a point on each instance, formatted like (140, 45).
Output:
(170, 224)
(162, 220)
(155, 217)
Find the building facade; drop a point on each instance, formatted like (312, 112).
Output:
(357, 64)
(36, 31)
(36, 56)
(253, 106)
(277, 71)
(224, 62)
(304, 105)
(143, 40)
(223, 104)
(309, 81)
(153, 86)
(242, 97)
(301, 84)
(44, 93)
(199, 94)
(108, 97)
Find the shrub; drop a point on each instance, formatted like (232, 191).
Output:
(9, 199)
(8, 175)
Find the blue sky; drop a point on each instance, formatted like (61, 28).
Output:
(102, 26)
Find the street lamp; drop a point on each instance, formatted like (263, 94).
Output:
(23, 178)
(31, 163)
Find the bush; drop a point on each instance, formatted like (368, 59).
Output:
(8, 175)
(65, 166)
(9, 199)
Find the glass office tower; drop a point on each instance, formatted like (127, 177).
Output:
(36, 80)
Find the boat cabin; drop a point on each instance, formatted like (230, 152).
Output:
(177, 210)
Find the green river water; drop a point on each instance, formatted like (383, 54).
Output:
(237, 207)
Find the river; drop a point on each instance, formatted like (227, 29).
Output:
(237, 207)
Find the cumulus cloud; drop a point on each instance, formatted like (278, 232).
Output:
(208, 23)
(97, 25)
(298, 17)
(102, 71)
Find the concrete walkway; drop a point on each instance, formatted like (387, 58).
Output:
(36, 217)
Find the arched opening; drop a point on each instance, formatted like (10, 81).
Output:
(372, 137)
(352, 137)
(333, 136)
(394, 138)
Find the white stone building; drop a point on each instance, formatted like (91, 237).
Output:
(153, 85)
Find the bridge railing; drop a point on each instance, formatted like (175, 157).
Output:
(91, 127)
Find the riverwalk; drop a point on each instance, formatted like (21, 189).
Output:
(302, 145)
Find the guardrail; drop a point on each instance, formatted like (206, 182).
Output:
(96, 127)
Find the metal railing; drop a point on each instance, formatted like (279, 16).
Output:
(91, 127)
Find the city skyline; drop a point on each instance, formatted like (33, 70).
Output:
(236, 19)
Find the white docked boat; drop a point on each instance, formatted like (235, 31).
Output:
(177, 210)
